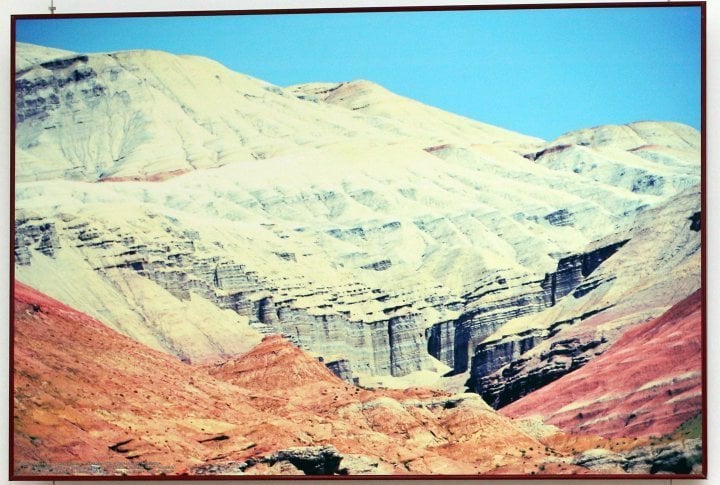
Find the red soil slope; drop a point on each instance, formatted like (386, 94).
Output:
(84, 395)
(81, 389)
(647, 383)
(275, 364)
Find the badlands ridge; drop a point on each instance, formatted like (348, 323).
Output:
(422, 270)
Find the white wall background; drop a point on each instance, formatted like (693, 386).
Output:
(10, 7)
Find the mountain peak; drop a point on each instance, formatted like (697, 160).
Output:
(145, 115)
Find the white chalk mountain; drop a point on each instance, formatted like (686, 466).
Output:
(194, 208)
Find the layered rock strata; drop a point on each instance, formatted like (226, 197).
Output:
(195, 209)
(661, 365)
(488, 308)
(90, 401)
(659, 264)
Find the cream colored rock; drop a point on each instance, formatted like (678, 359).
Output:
(194, 208)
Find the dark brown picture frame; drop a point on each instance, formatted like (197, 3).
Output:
(35, 311)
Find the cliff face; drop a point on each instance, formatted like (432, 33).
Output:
(386, 341)
(196, 210)
(659, 263)
(660, 388)
(483, 313)
(86, 395)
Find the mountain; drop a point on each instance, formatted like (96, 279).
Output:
(28, 55)
(149, 115)
(85, 394)
(198, 211)
(661, 387)
(657, 262)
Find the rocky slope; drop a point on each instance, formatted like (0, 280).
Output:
(150, 115)
(194, 210)
(90, 401)
(658, 263)
(660, 364)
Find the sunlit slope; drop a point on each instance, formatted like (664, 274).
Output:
(193, 208)
(149, 114)
(89, 401)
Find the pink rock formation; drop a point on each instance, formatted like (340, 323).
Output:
(647, 383)
(85, 395)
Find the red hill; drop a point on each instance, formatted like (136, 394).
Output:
(660, 388)
(87, 395)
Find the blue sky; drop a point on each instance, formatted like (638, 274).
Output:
(541, 72)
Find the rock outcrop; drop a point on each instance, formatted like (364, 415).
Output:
(86, 395)
(660, 388)
(36, 235)
(196, 210)
(483, 313)
(683, 458)
(658, 264)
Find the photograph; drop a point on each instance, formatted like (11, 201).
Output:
(382, 242)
